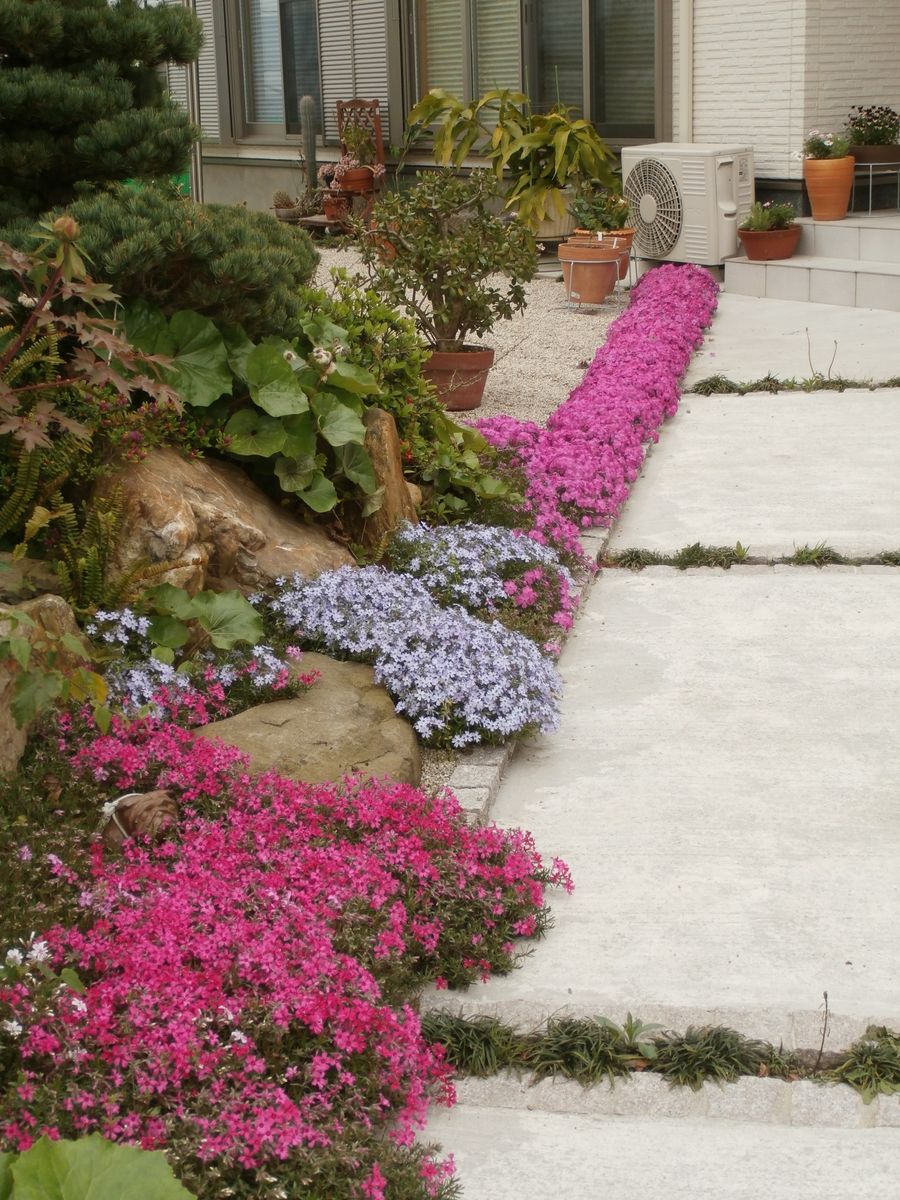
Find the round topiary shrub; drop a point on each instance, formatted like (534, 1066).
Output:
(235, 266)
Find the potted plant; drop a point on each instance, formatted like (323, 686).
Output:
(874, 132)
(769, 231)
(357, 169)
(828, 170)
(602, 217)
(284, 207)
(449, 248)
(335, 204)
(544, 154)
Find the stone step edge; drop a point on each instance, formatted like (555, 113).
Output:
(819, 262)
(647, 1095)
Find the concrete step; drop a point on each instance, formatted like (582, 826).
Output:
(851, 282)
(874, 238)
(503, 1154)
(646, 1094)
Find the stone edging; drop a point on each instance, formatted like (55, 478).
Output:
(644, 1094)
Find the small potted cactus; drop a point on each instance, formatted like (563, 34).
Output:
(285, 207)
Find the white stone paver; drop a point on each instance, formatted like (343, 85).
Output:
(723, 787)
(773, 472)
(522, 1155)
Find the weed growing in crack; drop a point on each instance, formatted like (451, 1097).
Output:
(479, 1045)
(872, 1066)
(708, 1052)
(820, 555)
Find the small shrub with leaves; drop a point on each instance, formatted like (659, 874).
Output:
(766, 216)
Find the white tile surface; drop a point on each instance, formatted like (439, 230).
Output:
(832, 287)
(787, 283)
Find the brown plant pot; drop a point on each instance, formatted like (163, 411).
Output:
(356, 181)
(619, 239)
(828, 182)
(763, 245)
(335, 206)
(876, 154)
(459, 376)
(590, 269)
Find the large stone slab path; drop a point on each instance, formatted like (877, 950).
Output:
(724, 787)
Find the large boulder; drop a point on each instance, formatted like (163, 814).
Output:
(51, 615)
(345, 723)
(214, 525)
(397, 504)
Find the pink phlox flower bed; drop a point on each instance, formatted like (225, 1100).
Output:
(246, 986)
(579, 470)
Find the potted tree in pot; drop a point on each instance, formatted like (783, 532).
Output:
(769, 232)
(828, 170)
(449, 251)
(874, 133)
(545, 155)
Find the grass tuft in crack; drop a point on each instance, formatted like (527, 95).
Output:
(872, 1066)
(709, 1052)
(820, 555)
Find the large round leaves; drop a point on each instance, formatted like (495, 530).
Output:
(253, 432)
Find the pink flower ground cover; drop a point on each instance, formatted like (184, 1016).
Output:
(579, 469)
(246, 1001)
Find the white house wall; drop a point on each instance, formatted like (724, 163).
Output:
(749, 81)
(853, 58)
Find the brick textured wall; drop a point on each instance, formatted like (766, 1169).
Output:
(766, 71)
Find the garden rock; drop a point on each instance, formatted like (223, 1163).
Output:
(397, 505)
(50, 613)
(213, 526)
(346, 722)
(24, 577)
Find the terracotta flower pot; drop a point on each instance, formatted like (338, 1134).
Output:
(591, 268)
(335, 206)
(763, 245)
(459, 376)
(356, 180)
(828, 182)
(620, 238)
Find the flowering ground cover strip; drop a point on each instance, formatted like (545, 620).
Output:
(458, 679)
(492, 572)
(580, 468)
(246, 988)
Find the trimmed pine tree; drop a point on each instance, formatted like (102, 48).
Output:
(82, 98)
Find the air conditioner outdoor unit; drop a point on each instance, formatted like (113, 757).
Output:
(687, 199)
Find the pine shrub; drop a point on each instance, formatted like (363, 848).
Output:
(82, 99)
(235, 266)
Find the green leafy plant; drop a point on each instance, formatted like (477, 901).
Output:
(819, 555)
(292, 409)
(763, 217)
(457, 465)
(88, 1168)
(448, 250)
(872, 1066)
(600, 210)
(873, 125)
(48, 667)
(189, 624)
(543, 153)
(589, 1050)
(479, 1045)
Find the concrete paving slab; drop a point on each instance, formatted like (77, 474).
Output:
(723, 786)
(515, 1155)
(774, 472)
(750, 337)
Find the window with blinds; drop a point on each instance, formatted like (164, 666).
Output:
(623, 67)
(467, 47)
(261, 45)
(300, 60)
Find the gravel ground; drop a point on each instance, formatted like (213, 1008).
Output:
(541, 355)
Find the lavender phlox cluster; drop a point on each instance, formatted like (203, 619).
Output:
(137, 676)
(458, 679)
(468, 564)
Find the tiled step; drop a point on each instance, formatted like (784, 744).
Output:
(852, 282)
(874, 238)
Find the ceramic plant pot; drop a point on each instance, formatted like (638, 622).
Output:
(763, 245)
(459, 376)
(624, 237)
(357, 180)
(828, 182)
(335, 206)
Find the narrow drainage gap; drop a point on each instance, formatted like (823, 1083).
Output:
(724, 557)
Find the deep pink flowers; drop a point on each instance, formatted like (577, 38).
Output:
(580, 468)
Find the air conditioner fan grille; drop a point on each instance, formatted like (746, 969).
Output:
(656, 209)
